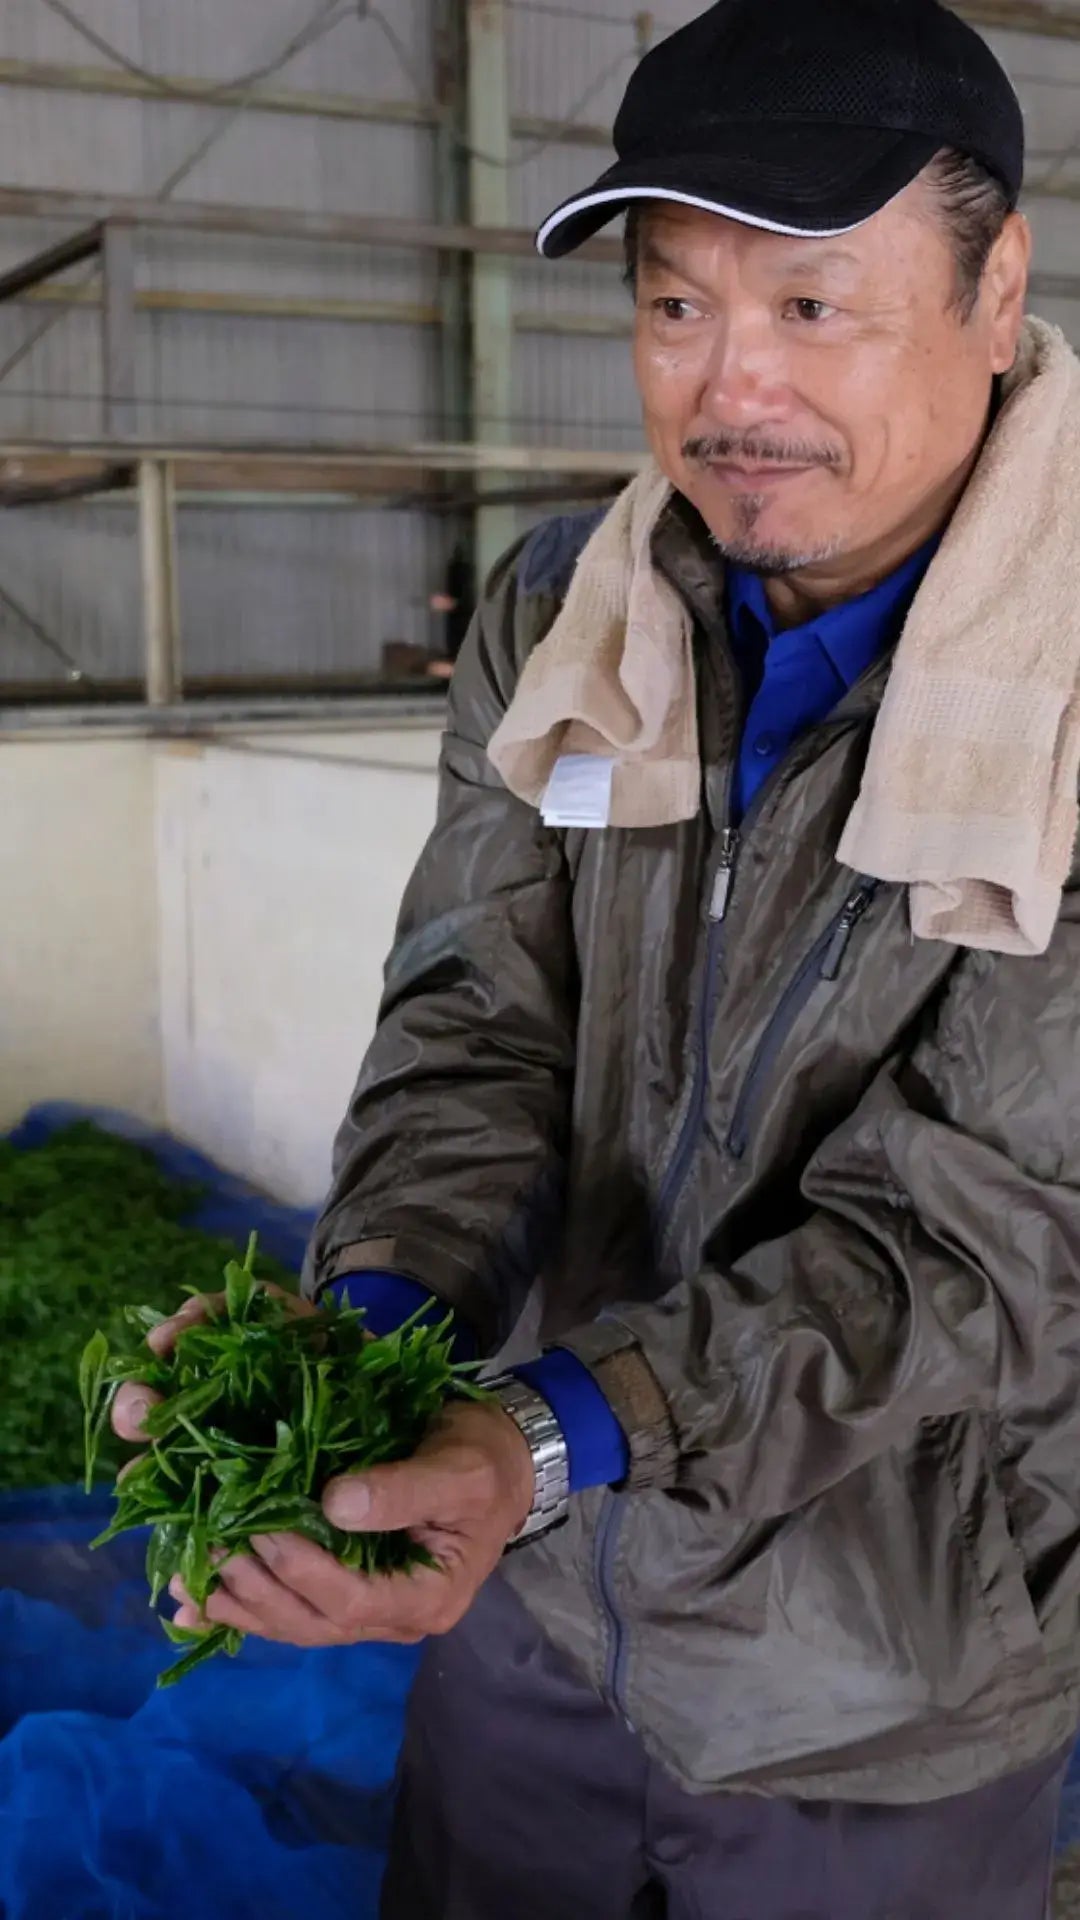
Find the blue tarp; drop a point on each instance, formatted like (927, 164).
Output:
(258, 1787)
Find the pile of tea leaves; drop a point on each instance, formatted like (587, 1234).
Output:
(88, 1222)
(261, 1408)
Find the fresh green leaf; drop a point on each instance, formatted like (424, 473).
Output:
(144, 1319)
(189, 1405)
(163, 1556)
(92, 1370)
(214, 1640)
(240, 1290)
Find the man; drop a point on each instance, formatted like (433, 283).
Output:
(804, 1192)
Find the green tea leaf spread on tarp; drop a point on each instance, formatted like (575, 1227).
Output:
(89, 1223)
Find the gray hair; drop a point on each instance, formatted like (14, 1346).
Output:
(974, 206)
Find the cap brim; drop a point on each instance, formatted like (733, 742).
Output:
(800, 179)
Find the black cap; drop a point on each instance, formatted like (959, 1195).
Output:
(802, 116)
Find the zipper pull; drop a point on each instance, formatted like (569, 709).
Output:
(836, 950)
(725, 874)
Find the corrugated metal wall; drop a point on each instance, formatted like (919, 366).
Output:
(263, 591)
(294, 589)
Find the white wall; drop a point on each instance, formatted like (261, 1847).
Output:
(196, 933)
(78, 927)
(281, 867)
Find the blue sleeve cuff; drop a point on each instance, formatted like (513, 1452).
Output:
(389, 1299)
(597, 1446)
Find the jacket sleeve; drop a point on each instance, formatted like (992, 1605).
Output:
(448, 1167)
(938, 1265)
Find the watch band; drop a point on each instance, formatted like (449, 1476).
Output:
(550, 1455)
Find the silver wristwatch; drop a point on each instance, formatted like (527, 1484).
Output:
(550, 1457)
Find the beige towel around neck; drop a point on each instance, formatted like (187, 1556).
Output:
(970, 789)
(614, 677)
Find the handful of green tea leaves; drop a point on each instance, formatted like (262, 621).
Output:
(262, 1408)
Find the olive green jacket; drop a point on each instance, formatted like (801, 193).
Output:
(803, 1193)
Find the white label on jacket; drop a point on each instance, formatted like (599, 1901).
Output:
(579, 792)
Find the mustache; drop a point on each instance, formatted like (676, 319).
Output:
(758, 450)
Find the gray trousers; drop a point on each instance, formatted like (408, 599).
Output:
(522, 1797)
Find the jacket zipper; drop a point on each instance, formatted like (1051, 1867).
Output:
(822, 963)
(604, 1551)
(688, 1137)
(731, 842)
(614, 1504)
(725, 875)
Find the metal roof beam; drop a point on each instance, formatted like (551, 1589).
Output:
(57, 77)
(236, 462)
(42, 266)
(63, 77)
(349, 229)
(280, 223)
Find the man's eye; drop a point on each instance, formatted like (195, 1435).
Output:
(811, 310)
(672, 309)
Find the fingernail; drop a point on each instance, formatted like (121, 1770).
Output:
(347, 1502)
(138, 1408)
(270, 1546)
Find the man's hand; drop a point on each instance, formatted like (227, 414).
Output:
(463, 1495)
(134, 1401)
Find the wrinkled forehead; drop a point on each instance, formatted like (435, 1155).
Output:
(669, 238)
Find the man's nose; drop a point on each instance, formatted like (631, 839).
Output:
(743, 387)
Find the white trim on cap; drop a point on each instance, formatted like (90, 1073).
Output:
(563, 214)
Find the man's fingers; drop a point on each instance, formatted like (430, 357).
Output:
(133, 1400)
(249, 1581)
(309, 1571)
(221, 1610)
(303, 1309)
(162, 1339)
(390, 1499)
(472, 1470)
(130, 1408)
(292, 1591)
(254, 1614)
(401, 1607)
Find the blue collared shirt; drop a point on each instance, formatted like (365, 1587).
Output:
(792, 680)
